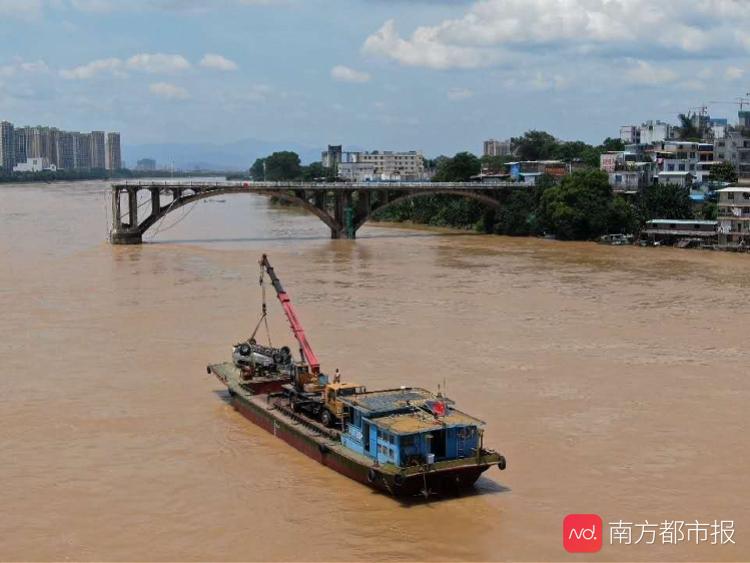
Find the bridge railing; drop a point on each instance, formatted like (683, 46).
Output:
(295, 185)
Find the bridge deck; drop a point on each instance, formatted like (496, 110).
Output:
(317, 186)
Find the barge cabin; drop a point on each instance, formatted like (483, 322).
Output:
(409, 427)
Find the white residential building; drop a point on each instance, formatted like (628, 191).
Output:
(36, 164)
(381, 166)
(734, 216)
(655, 131)
(677, 159)
(630, 134)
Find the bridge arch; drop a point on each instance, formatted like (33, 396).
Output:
(482, 198)
(181, 201)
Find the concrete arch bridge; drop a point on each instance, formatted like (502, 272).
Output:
(343, 207)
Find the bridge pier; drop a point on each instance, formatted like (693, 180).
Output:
(125, 233)
(343, 216)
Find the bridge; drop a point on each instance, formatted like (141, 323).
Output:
(343, 206)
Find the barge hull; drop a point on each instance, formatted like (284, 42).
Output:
(438, 481)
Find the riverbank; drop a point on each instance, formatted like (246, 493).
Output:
(49, 176)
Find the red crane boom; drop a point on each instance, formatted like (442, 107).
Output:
(286, 303)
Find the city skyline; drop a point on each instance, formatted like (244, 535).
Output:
(43, 147)
(433, 75)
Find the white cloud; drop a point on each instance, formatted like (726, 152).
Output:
(24, 9)
(734, 73)
(649, 75)
(457, 94)
(169, 91)
(158, 63)
(425, 48)
(20, 66)
(346, 74)
(217, 62)
(89, 70)
(490, 29)
(153, 63)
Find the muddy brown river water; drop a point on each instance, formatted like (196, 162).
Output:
(615, 380)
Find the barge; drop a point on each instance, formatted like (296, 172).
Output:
(403, 441)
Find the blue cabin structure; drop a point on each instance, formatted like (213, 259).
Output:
(409, 426)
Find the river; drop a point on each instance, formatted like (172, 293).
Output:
(614, 379)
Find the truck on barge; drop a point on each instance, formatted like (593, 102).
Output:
(403, 441)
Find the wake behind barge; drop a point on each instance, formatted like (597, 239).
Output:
(402, 441)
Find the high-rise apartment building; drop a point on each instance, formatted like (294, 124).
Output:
(67, 151)
(493, 147)
(83, 150)
(7, 146)
(114, 157)
(54, 146)
(20, 134)
(98, 150)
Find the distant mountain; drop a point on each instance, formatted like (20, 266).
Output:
(238, 155)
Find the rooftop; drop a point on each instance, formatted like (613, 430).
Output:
(379, 402)
(680, 222)
(421, 421)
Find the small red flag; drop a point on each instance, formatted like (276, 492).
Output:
(438, 408)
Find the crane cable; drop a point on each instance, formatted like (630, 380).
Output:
(264, 310)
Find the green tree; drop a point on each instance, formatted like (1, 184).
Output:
(571, 150)
(460, 168)
(610, 144)
(518, 216)
(257, 170)
(664, 201)
(534, 145)
(710, 211)
(687, 130)
(723, 172)
(284, 165)
(494, 164)
(316, 171)
(582, 207)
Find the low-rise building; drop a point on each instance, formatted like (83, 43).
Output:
(332, 157)
(626, 172)
(630, 134)
(683, 156)
(734, 147)
(734, 216)
(682, 179)
(525, 168)
(384, 166)
(681, 232)
(36, 164)
(654, 131)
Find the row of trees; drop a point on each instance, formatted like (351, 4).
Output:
(286, 165)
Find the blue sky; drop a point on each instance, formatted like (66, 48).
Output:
(438, 76)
